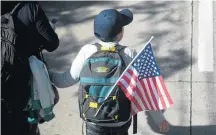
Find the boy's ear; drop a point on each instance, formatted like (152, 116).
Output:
(120, 35)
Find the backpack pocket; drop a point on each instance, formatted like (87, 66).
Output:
(94, 108)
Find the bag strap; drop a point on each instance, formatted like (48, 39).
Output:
(18, 6)
(42, 57)
(120, 48)
(41, 53)
(135, 124)
(98, 46)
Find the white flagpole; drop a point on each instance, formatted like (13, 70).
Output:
(205, 27)
(125, 71)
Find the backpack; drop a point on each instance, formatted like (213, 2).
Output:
(15, 71)
(99, 73)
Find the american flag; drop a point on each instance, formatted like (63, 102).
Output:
(143, 84)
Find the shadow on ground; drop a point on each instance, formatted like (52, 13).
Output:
(183, 130)
(69, 13)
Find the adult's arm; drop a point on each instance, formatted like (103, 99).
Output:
(46, 33)
(41, 32)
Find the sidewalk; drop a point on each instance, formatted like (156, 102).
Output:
(175, 44)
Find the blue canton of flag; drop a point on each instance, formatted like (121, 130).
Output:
(145, 64)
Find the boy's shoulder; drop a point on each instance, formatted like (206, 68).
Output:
(89, 47)
(129, 49)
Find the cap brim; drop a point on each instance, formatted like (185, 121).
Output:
(127, 16)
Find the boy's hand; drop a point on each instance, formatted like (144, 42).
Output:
(164, 126)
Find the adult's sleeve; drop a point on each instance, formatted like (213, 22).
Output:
(47, 36)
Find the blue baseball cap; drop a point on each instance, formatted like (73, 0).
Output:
(108, 23)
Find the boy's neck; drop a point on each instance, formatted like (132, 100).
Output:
(108, 43)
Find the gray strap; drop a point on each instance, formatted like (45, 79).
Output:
(135, 124)
(120, 48)
(16, 8)
(98, 46)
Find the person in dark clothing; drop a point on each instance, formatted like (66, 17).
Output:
(37, 34)
(36, 24)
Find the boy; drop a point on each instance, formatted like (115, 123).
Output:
(108, 28)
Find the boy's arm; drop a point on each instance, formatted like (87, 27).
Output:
(62, 80)
(70, 77)
(160, 120)
(78, 63)
(157, 116)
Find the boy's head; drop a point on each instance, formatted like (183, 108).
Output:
(108, 25)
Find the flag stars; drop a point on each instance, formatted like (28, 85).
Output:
(145, 64)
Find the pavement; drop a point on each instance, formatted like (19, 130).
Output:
(174, 26)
